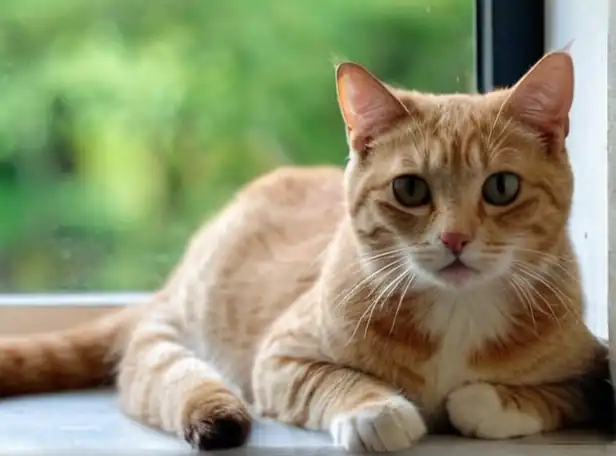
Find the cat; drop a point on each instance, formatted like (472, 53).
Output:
(430, 283)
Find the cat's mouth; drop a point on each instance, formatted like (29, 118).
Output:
(457, 271)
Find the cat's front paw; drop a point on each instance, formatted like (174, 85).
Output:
(476, 410)
(391, 425)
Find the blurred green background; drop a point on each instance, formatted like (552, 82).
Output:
(125, 123)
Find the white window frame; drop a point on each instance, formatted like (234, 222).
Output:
(585, 24)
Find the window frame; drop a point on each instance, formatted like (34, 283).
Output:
(509, 39)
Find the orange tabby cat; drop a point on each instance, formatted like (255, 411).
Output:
(432, 281)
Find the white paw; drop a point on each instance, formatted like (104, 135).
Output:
(476, 410)
(391, 425)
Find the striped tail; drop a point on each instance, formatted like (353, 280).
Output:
(82, 357)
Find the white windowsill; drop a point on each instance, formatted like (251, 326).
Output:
(72, 299)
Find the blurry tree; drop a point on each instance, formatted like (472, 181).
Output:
(125, 123)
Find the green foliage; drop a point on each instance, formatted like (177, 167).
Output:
(125, 123)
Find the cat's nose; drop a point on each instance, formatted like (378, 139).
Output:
(455, 241)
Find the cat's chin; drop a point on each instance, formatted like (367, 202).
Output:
(457, 275)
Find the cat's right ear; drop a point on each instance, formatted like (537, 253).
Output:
(368, 107)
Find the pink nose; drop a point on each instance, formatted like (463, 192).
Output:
(455, 241)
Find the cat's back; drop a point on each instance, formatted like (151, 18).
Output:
(291, 205)
(267, 243)
(253, 260)
(289, 217)
(289, 187)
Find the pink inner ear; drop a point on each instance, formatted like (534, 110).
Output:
(543, 97)
(367, 106)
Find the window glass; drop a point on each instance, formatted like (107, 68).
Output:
(125, 123)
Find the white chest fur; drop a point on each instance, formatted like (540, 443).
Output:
(462, 322)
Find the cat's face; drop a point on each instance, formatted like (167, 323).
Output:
(457, 189)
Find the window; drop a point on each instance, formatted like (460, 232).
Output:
(125, 123)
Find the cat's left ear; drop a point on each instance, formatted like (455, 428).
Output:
(542, 98)
(368, 107)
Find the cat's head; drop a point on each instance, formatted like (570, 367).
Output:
(461, 189)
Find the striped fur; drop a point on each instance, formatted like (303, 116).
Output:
(312, 297)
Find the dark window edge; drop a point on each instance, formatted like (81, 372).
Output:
(510, 38)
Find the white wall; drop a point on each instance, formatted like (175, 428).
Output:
(586, 22)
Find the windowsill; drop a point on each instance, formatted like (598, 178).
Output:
(72, 299)
(92, 420)
(32, 313)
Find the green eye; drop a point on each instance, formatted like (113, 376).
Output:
(411, 191)
(501, 189)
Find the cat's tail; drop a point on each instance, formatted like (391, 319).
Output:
(81, 357)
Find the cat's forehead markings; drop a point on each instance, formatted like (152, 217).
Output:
(476, 156)
(439, 156)
(455, 150)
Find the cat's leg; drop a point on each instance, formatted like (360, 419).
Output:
(163, 384)
(361, 413)
(493, 411)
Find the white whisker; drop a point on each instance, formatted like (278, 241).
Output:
(363, 283)
(527, 300)
(566, 301)
(411, 278)
(373, 304)
(384, 296)
(551, 312)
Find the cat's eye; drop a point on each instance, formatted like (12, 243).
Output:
(411, 191)
(501, 189)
